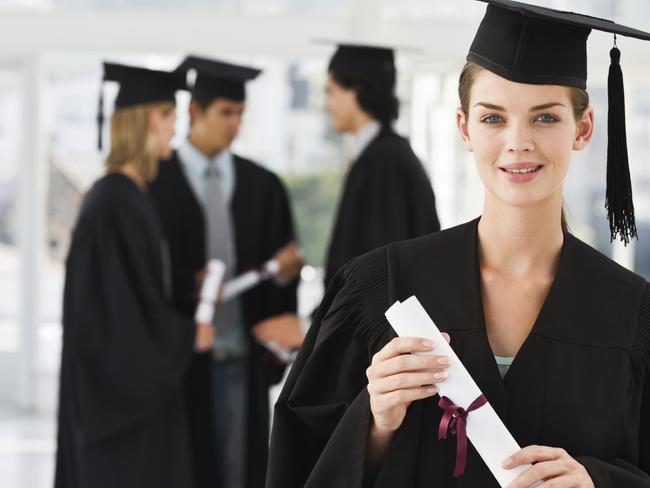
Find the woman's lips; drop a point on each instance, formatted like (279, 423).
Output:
(521, 172)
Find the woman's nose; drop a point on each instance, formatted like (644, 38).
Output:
(520, 139)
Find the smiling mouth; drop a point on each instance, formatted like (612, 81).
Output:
(531, 169)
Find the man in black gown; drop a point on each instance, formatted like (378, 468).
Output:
(244, 219)
(387, 195)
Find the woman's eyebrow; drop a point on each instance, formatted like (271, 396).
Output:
(544, 106)
(490, 106)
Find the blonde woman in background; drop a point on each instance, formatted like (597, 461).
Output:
(121, 413)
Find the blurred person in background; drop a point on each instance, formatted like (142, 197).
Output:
(216, 204)
(387, 194)
(122, 419)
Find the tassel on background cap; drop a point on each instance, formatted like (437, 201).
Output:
(100, 117)
(618, 198)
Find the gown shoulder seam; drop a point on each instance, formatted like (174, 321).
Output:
(368, 277)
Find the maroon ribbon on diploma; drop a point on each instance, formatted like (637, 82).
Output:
(454, 422)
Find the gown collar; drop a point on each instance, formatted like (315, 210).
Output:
(592, 302)
(362, 139)
(449, 288)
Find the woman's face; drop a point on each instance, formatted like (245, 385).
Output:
(522, 137)
(162, 125)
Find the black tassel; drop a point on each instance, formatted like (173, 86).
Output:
(618, 199)
(100, 117)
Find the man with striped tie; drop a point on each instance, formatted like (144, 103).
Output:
(215, 204)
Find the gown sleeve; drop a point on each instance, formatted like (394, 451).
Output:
(321, 417)
(129, 350)
(279, 297)
(275, 297)
(422, 202)
(184, 285)
(625, 473)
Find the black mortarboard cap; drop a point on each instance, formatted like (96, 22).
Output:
(372, 64)
(531, 44)
(217, 79)
(138, 86)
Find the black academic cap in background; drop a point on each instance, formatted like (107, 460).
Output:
(138, 86)
(373, 64)
(217, 79)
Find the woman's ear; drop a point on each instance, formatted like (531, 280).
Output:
(584, 130)
(462, 124)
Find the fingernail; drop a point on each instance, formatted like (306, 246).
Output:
(443, 360)
(507, 462)
(432, 389)
(441, 376)
(427, 343)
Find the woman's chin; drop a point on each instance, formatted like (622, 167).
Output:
(521, 198)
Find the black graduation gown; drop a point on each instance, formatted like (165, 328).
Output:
(580, 380)
(122, 419)
(263, 224)
(387, 197)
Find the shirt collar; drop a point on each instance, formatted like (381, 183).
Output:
(364, 137)
(197, 162)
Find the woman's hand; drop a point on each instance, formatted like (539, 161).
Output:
(204, 338)
(397, 378)
(552, 468)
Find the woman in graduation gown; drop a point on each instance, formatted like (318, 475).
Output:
(359, 410)
(121, 412)
(387, 195)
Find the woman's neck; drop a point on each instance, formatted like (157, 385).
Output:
(130, 170)
(515, 241)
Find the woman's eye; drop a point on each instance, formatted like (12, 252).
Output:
(547, 118)
(492, 119)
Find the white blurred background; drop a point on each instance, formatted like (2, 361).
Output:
(50, 55)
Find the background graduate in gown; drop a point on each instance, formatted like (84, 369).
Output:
(359, 410)
(387, 195)
(122, 420)
(214, 203)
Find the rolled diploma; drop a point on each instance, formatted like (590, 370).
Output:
(485, 430)
(210, 291)
(244, 282)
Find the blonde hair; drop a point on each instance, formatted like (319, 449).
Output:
(132, 139)
(579, 103)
